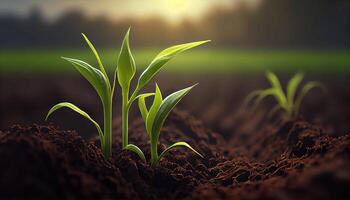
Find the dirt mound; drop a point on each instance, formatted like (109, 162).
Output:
(288, 160)
(42, 162)
(297, 161)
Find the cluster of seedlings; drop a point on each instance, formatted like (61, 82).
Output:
(154, 117)
(287, 100)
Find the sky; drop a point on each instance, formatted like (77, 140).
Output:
(171, 10)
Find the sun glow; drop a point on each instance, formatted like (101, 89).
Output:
(176, 3)
(176, 9)
(171, 10)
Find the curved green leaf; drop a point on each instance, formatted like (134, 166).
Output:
(250, 97)
(292, 87)
(126, 67)
(96, 55)
(161, 59)
(135, 149)
(154, 109)
(167, 105)
(81, 112)
(306, 88)
(262, 95)
(95, 77)
(279, 94)
(178, 144)
(272, 78)
(142, 105)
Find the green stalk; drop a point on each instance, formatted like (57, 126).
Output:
(154, 153)
(126, 104)
(125, 117)
(290, 110)
(107, 146)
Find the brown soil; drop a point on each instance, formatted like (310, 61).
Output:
(290, 159)
(247, 156)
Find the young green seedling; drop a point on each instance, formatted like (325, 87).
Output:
(99, 80)
(126, 70)
(154, 119)
(286, 101)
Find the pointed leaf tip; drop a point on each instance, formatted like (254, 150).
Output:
(194, 85)
(126, 67)
(142, 105)
(135, 149)
(292, 87)
(158, 98)
(94, 76)
(179, 144)
(79, 111)
(97, 56)
(163, 58)
(165, 108)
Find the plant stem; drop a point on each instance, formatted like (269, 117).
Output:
(290, 112)
(125, 117)
(154, 153)
(107, 147)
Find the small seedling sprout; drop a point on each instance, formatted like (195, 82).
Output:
(99, 80)
(154, 119)
(126, 69)
(287, 101)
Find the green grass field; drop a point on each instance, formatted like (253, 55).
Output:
(198, 61)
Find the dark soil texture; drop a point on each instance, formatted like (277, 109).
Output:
(292, 160)
(246, 155)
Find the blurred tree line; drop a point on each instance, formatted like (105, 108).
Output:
(274, 23)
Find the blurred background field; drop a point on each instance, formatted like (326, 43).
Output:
(197, 61)
(248, 37)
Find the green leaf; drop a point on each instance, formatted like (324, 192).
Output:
(81, 112)
(161, 59)
(135, 149)
(178, 144)
(95, 77)
(306, 88)
(126, 67)
(279, 94)
(293, 86)
(167, 105)
(272, 78)
(250, 97)
(262, 95)
(96, 55)
(154, 109)
(142, 105)
(114, 81)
